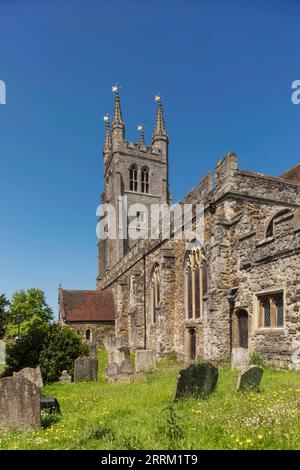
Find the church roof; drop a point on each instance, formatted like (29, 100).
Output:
(86, 305)
(293, 174)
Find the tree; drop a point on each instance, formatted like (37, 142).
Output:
(62, 346)
(3, 314)
(28, 311)
(54, 348)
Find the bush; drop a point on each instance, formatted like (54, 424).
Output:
(54, 348)
(256, 360)
(61, 347)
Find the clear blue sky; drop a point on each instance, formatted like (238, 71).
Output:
(224, 69)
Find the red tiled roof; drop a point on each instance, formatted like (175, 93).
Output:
(86, 305)
(293, 174)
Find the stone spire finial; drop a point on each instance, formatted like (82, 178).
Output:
(107, 141)
(117, 112)
(160, 128)
(140, 128)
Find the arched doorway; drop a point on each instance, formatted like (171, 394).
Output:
(242, 317)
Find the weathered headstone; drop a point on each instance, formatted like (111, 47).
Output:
(197, 380)
(2, 352)
(93, 349)
(250, 378)
(85, 369)
(34, 375)
(116, 348)
(239, 358)
(20, 407)
(126, 367)
(144, 360)
(65, 377)
(112, 371)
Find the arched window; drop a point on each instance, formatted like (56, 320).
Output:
(195, 283)
(270, 230)
(145, 180)
(88, 335)
(155, 291)
(133, 178)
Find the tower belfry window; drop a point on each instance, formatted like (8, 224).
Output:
(145, 180)
(133, 178)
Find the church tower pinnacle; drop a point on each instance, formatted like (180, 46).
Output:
(118, 127)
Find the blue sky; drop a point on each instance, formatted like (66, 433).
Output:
(223, 67)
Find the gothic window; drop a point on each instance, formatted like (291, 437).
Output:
(133, 178)
(195, 283)
(145, 180)
(271, 311)
(88, 335)
(155, 291)
(270, 231)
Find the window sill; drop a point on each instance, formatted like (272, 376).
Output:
(270, 331)
(192, 321)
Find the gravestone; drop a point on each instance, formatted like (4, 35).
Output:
(239, 358)
(250, 378)
(93, 349)
(20, 407)
(144, 360)
(196, 380)
(65, 377)
(34, 375)
(2, 352)
(112, 371)
(85, 369)
(126, 367)
(117, 349)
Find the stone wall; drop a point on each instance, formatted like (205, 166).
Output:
(98, 330)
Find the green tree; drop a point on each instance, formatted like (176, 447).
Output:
(54, 348)
(28, 311)
(3, 314)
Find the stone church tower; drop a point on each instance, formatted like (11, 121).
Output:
(134, 173)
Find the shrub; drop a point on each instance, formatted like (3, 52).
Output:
(60, 349)
(256, 360)
(54, 348)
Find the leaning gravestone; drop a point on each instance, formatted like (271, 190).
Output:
(2, 352)
(250, 378)
(20, 407)
(196, 380)
(34, 375)
(117, 349)
(85, 369)
(65, 377)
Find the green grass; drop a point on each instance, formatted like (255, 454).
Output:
(141, 415)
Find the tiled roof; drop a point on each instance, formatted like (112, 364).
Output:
(293, 174)
(86, 305)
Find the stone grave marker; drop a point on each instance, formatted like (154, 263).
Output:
(93, 349)
(34, 375)
(20, 407)
(144, 360)
(86, 369)
(250, 378)
(197, 380)
(239, 358)
(65, 377)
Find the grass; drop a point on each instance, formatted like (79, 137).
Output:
(141, 415)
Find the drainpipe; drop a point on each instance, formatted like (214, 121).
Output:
(145, 306)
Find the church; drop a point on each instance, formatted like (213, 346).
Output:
(234, 291)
